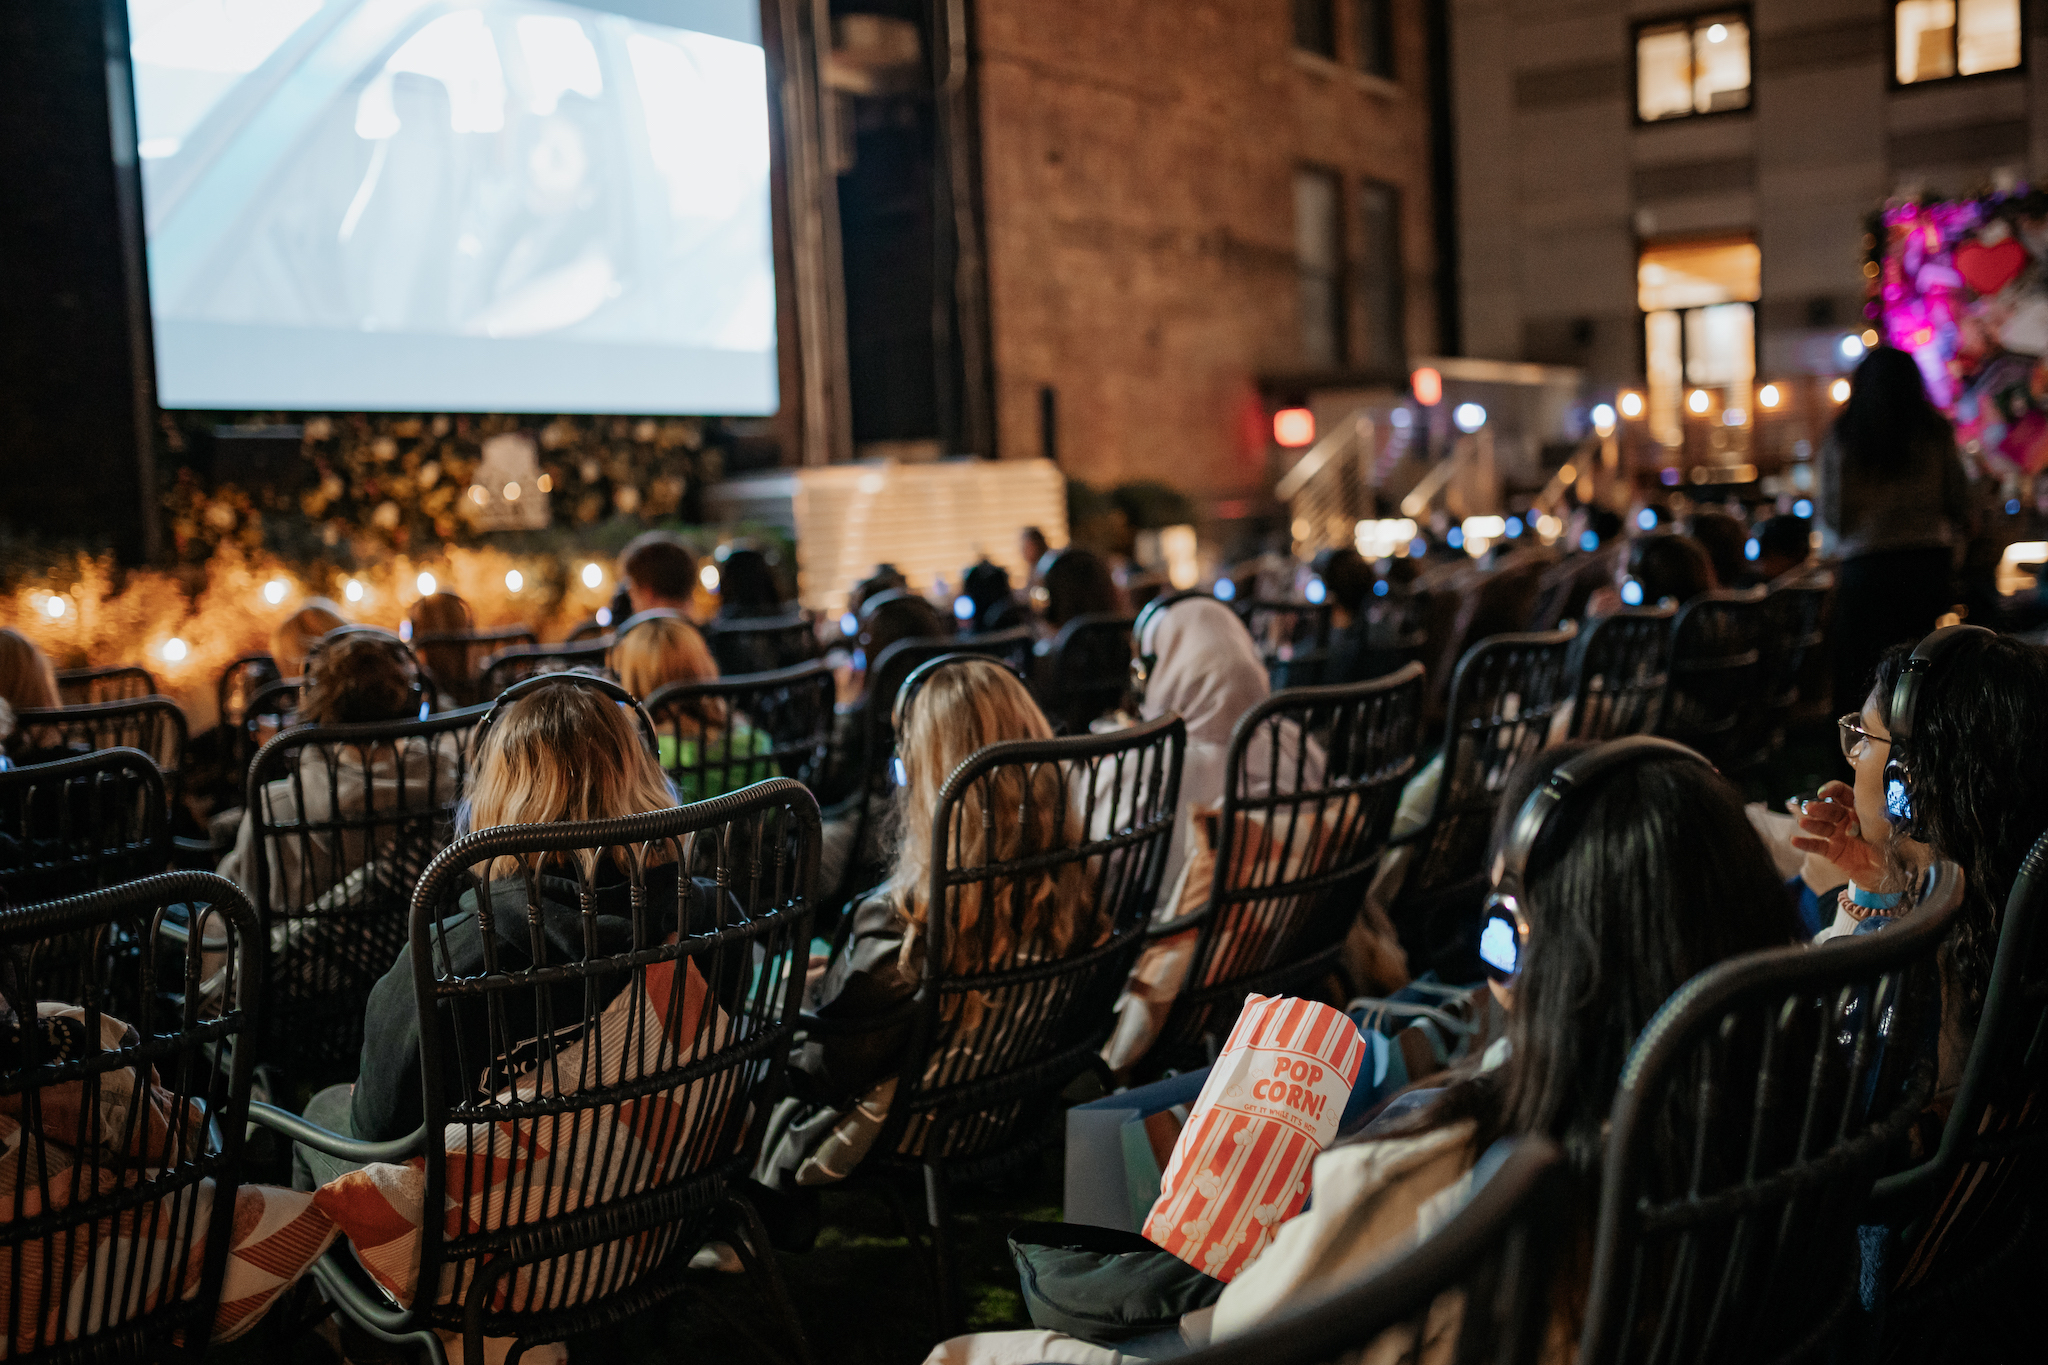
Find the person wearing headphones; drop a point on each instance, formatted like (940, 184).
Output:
(703, 743)
(1626, 869)
(843, 1082)
(354, 675)
(557, 748)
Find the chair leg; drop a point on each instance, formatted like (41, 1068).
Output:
(945, 1283)
(759, 1258)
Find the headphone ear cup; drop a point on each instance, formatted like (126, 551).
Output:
(1898, 795)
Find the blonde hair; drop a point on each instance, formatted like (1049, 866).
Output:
(27, 681)
(665, 650)
(960, 709)
(559, 754)
(293, 639)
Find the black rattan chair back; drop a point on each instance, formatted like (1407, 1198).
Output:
(763, 644)
(1976, 1200)
(1476, 1291)
(1503, 698)
(1293, 637)
(155, 725)
(1715, 700)
(1796, 613)
(119, 1203)
(237, 688)
(664, 1032)
(1301, 827)
(1087, 670)
(718, 736)
(1754, 1111)
(80, 824)
(274, 707)
(1086, 818)
(114, 682)
(1620, 670)
(509, 666)
(454, 659)
(349, 817)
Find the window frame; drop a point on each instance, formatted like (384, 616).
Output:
(1386, 38)
(1359, 349)
(1692, 19)
(1340, 282)
(1333, 21)
(1891, 54)
(1756, 339)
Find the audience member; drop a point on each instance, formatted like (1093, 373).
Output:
(694, 739)
(748, 588)
(359, 675)
(1348, 583)
(986, 602)
(27, 681)
(1783, 543)
(1076, 582)
(657, 570)
(1032, 546)
(844, 1080)
(294, 636)
(1894, 508)
(1725, 540)
(564, 752)
(1659, 567)
(451, 664)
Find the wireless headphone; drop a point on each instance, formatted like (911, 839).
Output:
(1898, 771)
(641, 618)
(418, 700)
(922, 674)
(527, 686)
(1143, 665)
(1505, 928)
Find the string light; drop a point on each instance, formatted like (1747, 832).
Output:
(353, 590)
(1769, 396)
(1839, 390)
(511, 492)
(426, 584)
(174, 650)
(514, 580)
(54, 607)
(274, 591)
(708, 576)
(593, 576)
(1631, 405)
(1697, 400)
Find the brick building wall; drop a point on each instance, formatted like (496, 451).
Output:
(1138, 184)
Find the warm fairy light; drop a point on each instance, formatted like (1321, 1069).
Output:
(1769, 396)
(511, 492)
(53, 607)
(478, 493)
(1384, 538)
(1839, 390)
(545, 483)
(1631, 405)
(174, 650)
(1869, 337)
(593, 576)
(1603, 420)
(514, 580)
(1697, 400)
(353, 590)
(1549, 527)
(274, 591)
(426, 584)
(1568, 474)
(1427, 385)
(708, 576)
(1294, 427)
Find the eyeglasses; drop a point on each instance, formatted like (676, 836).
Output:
(1854, 735)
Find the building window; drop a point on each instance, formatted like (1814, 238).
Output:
(1936, 39)
(1319, 267)
(1383, 340)
(1315, 27)
(1375, 19)
(1699, 336)
(1692, 66)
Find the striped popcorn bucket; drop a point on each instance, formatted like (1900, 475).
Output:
(1272, 1101)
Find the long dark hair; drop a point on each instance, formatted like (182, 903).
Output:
(1668, 564)
(1077, 582)
(1980, 728)
(1888, 417)
(1638, 883)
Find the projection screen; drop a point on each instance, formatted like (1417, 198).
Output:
(433, 205)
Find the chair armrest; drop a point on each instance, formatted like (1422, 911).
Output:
(334, 1144)
(193, 855)
(1193, 919)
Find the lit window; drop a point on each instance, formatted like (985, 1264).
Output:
(1375, 37)
(1936, 39)
(1315, 27)
(1699, 328)
(1318, 264)
(1693, 66)
(1380, 278)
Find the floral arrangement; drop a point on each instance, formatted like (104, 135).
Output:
(1962, 286)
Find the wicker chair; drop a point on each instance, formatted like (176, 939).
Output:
(1294, 638)
(1783, 1079)
(506, 667)
(718, 736)
(763, 644)
(155, 725)
(239, 683)
(81, 824)
(1974, 1204)
(1620, 669)
(1488, 1269)
(1503, 697)
(704, 1015)
(1086, 671)
(1797, 677)
(972, 1103)
(1716, 699)
(1293, 853)
(334, 893)
(114, 682)
(77, 1293)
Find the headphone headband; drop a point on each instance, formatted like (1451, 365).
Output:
(1143, 661)
(641, 618)
(922, 674)
(420, 700)
(1576, 773)
(527, 686)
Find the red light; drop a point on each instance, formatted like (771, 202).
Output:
(1428, 386)
(1294, 426)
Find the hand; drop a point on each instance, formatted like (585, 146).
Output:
(814, 971)
(1828, 828)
